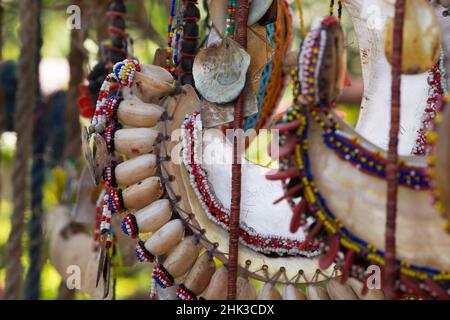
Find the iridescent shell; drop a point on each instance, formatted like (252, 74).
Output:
(220, 71)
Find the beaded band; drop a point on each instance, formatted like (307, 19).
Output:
(142, 254)
(162, 277)
(184, 293)
(129, 225)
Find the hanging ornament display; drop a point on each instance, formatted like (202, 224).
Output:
(314, 220)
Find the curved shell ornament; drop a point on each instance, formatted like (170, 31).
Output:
(220, 71)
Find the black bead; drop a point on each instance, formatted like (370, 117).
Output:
(99, 70)
(187, 79)
(189, 46)
(191, 12)
(117, 42)
(190, 29)
(118, 22)
(117, 6)
(187, 63)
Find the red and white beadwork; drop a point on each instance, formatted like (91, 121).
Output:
(191, 154)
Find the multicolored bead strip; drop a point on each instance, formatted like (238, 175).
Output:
(231, 19)
(162, 277)
(319, 208)
(107, 104)
(142, 254)
(347, 147)
(129, 226)
(184, 293)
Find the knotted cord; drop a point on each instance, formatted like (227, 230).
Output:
(392, 161)
(26, 92)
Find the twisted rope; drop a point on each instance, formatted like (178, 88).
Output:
(77, 57)
(236, 169)
(33, 278)
(392, 161)
(26, 92)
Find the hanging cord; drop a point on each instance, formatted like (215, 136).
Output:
(2, 12)
(301, 18)
(236, 169)
(391, 268)
(33, 278)
(26, 92)
(339, 9)
(77, 58)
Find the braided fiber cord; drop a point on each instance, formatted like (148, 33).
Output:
(33, 278)
(77, 57)
(236, 168)
(391, 267)
(26, 92)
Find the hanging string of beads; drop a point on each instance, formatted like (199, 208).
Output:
(331, 7)
(189, 41)
(176, 47)
(118, 49)
(231, 21)
(169, 51)
(339, 9)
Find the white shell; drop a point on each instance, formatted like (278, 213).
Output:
(182, 258)
(291, 292)
(142, 193)
(338, 291)
(135, 141)
(220, 71)
(167, 237)
(245, 289)
(372, 294)
(134, 170)
(135, 113)
(218, 286)
(258, 9)
(314, 292)
(200, 275)
(153, 216)
(269, 292)
(152, 83)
